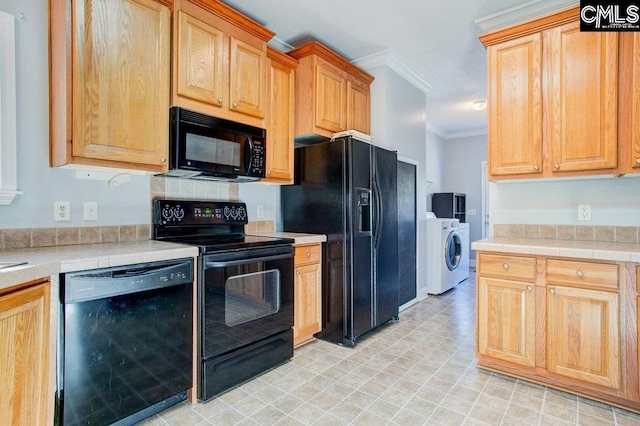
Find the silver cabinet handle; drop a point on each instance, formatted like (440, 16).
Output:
(580, 273)
(552, 290)
(637, 160)
(163, 160)
(220, 100)
(536, 167)
(529, 288)
(556, 166)
(505, 265)
(297, 271)
(308, 254)
(235, 105)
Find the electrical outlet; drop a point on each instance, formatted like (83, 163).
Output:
(61, 211)
(584, 212)
(472, 212)
(90, 210)
(260, 212)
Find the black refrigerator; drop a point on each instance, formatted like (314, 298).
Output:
(346, 189)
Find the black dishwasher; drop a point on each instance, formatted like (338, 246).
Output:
(126, 342)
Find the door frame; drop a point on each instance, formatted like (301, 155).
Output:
(416, 299)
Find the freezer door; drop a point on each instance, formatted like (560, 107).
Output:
(358, 287)
(385, 235)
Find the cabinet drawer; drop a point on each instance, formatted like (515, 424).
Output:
(583, 274)
(507, 266)
(308, 254)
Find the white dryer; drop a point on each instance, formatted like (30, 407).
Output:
(444, 253)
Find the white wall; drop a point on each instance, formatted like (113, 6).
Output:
(614, 201)
(462, 161)
(435, 166)
(398, 123)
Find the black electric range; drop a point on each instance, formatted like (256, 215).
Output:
(245, 291)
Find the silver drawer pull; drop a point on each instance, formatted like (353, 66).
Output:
(298, 271)
(580, 273)
(556, 166)
(220, 100)
(552, 290)
(308, 254)
(505, 265)
(529, 288)
(536, 167)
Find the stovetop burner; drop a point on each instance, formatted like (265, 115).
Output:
(210, 225)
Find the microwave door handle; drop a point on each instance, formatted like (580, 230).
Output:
(248, 155)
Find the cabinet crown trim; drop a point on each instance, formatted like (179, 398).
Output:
(530, 27)
(317, 48)
(281, 57)
(236, 18)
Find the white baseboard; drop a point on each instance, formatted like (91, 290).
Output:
(422, 293)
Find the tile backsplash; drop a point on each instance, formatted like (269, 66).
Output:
(161, 187)
(621, 234)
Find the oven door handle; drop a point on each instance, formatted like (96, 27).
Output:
(244, 261)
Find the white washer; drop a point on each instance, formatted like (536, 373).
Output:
(444, 253)
(463, 268)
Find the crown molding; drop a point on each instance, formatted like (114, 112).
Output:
(432, 128)
(524, 12)
(466, 134)
(389, 59)
(280, 45)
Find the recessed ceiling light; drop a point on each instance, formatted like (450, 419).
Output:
(479, 104)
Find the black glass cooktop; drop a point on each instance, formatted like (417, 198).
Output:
(208, 244)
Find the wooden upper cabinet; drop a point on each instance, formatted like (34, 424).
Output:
(219, 62)
(200, 67)
(506, 320)
(280, 113)
(629, 125)
(26, 391)
(332, 94)
(110, 83)
(553, 99)
(583, 335)
(358, 107)
(515, 106)
(581, 73)
(635, 103)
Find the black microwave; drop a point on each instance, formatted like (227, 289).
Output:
(206, 147)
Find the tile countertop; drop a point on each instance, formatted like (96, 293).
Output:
(299, 238)
(46, 261)
(596, 250)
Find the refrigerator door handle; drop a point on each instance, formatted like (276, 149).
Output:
(378, 212)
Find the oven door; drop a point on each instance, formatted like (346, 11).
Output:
(245, 296)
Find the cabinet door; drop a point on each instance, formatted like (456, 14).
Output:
(583, 339)
(358, 107)
(506, 320)
(635, 103)
(24, 356)
(307, 305)
(200, 61)
(330, 99)
(280, 123)
(515, 106)
(121, 81)
(581, 95)
(247, 78)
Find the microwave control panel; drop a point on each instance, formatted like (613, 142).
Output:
(257, 159)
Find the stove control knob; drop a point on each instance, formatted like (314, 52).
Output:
(167, 213)
(242, 213)
(227, 212)
(179, 213)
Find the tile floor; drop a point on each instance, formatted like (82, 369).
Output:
(420, 370)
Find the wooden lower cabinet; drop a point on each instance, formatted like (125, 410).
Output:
(25, 396)
(583, 335)
(573, 325)
(506, 320)
(308, 293)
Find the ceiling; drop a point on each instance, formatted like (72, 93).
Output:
(434, 44)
